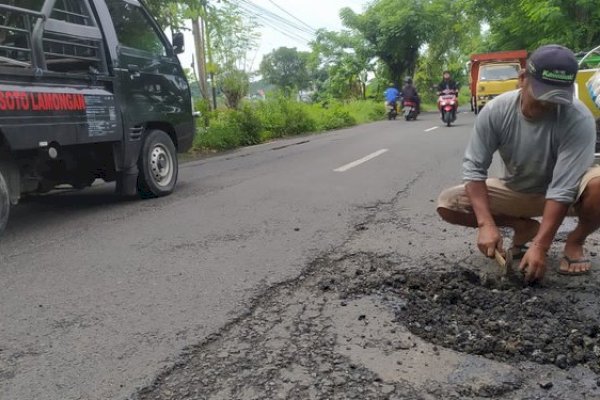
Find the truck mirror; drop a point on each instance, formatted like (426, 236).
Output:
(178, 43)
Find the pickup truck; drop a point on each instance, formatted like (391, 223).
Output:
(492, 74)
(89, 89)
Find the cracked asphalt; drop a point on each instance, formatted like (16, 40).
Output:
(269, 275)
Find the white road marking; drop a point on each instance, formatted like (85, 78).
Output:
(431, 129)
(361, 161)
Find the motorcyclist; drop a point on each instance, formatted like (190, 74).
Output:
(409, 92)
(447, 83)
(391, 95)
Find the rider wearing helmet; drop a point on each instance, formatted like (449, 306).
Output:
(409, 92)
(447, 83)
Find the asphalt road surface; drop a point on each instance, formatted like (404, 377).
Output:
(99, 295)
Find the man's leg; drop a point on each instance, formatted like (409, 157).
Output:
(510, 209)
(525, 228)
(588, 212)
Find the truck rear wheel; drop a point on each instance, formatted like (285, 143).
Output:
(4, 202)
(158, 166)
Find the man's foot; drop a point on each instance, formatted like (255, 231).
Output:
(574, 261)
(525, 230)
(569, 266)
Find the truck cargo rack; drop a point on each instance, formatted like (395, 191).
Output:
(62, 38)
(16, 26)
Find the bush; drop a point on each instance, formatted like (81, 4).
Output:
(279, 116)
(230, 129)
(282, 117)
(203, 107)
(250, 125)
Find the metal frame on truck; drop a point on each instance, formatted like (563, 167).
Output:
(89, 89)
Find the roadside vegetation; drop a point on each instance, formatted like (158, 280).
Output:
(278, 116)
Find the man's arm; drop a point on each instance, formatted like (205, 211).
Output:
(489, 238)
(554, 214)
(477, 160)
(534, 261)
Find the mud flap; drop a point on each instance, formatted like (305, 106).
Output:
(127, 182)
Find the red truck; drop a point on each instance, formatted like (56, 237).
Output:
(492, 74)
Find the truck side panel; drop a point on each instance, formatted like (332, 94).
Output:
(33, 115)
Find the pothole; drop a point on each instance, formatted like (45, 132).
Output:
(462, 311)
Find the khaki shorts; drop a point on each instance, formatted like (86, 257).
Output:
(504, 201)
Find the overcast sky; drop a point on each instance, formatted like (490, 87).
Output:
(315, 13)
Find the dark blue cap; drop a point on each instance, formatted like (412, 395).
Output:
(553, 69)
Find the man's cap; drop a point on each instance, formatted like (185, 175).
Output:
(553, 69)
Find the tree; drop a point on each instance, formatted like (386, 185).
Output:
(396, 29)
(286, 68)
(234, 84)
(170, 13)
(340, 63)
(527, 24)
(453, 35)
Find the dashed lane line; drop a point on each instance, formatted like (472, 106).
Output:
(363, 160)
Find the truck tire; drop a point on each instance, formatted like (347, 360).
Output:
(4, 202)
(158, 165)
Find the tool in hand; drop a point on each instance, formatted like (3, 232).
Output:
(506, 265)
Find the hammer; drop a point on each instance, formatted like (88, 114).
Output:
(506, 265)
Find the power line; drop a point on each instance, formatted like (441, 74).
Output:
(278, 17)
(292, 15)
(283, 31)
(272, 17)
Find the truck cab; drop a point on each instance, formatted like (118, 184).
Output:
(89, 89)
(492, 74)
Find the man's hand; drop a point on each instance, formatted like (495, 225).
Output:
(489, 240)
(533, 264)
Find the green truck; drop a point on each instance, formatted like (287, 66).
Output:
(89, 89)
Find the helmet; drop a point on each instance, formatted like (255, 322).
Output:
(408, 80)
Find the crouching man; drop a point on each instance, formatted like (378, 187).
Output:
(546, 140)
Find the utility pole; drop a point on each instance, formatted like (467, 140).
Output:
(209, 54)
(198, 32)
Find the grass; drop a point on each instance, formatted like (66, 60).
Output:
(277, 117)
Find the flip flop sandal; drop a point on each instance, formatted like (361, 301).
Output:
(572, 261)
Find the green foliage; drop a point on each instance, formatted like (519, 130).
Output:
(396, 30)
(528, 24)
(282, 116)
(230, 129)
(340, 64)
(232, 36)
(234, 84)
(278, 117)
(333, 117)
(203, 107)
(286, 68)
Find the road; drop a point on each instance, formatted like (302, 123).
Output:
(99, 295)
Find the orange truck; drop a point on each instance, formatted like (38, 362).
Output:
(492, 74)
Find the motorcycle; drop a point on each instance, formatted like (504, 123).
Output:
(410, 109)
(392, 108)
(448, 106)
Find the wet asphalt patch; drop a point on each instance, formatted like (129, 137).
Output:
(464, 311)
